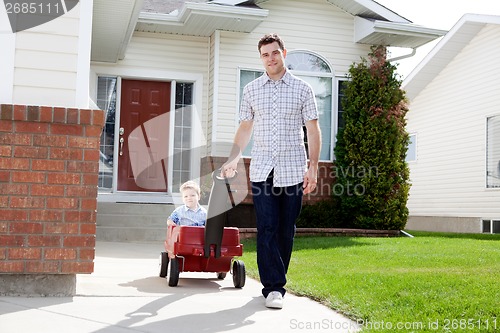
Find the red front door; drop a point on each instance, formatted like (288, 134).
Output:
(144, 133)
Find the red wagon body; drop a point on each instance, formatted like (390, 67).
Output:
(205, 249)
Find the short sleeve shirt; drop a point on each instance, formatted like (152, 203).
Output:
(279, 110)
(183, 215)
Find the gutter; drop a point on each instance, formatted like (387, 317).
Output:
(409, 55)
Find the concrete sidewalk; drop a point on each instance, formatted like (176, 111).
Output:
(125, 294)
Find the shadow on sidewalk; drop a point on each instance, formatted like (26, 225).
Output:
(220, 321)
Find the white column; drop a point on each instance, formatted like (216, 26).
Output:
(7, 57)
(84, 45)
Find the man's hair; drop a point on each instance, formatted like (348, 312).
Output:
(190, 185)
(271, 38)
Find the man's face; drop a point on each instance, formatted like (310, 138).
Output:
(273, 58)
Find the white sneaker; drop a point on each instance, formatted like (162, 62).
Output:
(274, 300)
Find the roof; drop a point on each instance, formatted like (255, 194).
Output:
(165, 6)
(114, 21)
(202, 19)
(448, 48)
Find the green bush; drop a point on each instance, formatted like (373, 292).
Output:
(371, 188)
(323, 214)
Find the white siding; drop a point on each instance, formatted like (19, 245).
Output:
(449, 118)
(166, 57)
(312, 25)
(46, 62)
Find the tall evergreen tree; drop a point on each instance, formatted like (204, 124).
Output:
(372, 182)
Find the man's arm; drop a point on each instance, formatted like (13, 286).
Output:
(241, 140)
(314, 147)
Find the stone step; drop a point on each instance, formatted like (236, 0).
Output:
(123, 208)
(136, 222)
(131, 234)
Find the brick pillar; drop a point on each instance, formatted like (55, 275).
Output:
(49, 162)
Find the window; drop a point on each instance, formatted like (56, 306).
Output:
(411, 153)
(491, 226)
(182, 134)
(247, 76)
(106, 100)
(315, 71)
(493, 152)
(342, 84)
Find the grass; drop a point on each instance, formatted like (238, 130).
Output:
(435, 282)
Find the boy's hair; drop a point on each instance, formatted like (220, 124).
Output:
(271, 38)
(190, 185)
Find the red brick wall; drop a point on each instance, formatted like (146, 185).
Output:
(323, 190)
(49, 162)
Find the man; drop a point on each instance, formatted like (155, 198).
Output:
(275, 107)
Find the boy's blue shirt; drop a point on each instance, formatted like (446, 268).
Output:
(183, 215)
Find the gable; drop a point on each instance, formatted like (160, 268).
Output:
(443, 53)
(115, 20)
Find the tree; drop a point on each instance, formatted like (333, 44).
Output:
(372, 183)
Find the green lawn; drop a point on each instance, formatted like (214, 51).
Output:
(434, 282)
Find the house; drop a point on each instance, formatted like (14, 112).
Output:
(169, 74)
(454, 123)
(202, 54)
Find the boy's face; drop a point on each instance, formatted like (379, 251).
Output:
(190, 198)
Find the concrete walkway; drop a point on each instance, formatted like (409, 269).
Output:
(125, 294)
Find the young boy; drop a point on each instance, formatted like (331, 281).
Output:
(191, 213)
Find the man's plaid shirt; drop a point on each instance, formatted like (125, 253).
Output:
(279, 110)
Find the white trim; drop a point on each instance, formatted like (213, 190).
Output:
(147, 74)
(7, 59)
(486, 152)
(215, 93)
(83, 65)
(444, 51)
(116, 149)
(383, 11)
(335, 127)
(130, 29)
(189, 8)
(196, 132)
(316, 54)
(170, 166)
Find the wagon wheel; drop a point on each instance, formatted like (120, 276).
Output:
(163, 264)
(221, 275)
(239, 274)
(173, 277)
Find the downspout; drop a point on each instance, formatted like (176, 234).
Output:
(413, 52)
(406, 234)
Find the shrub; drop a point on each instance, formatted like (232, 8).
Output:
(371, 147)
(323, 214)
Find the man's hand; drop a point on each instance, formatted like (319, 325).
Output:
(228, 170)
(310, 180)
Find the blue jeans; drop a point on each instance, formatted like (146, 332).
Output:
(276, 210)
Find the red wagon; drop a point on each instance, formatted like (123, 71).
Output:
(212, 248)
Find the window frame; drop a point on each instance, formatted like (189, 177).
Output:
(415, 149)
(491, 173)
